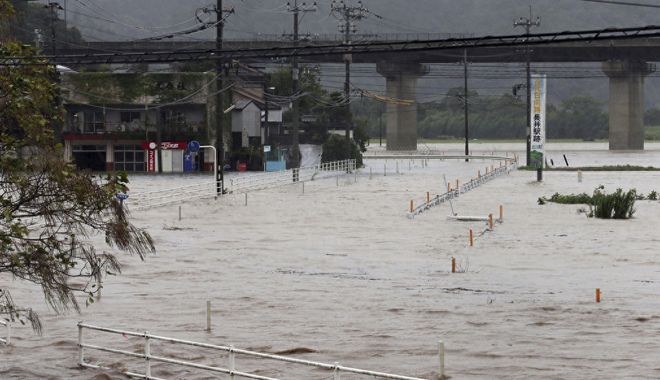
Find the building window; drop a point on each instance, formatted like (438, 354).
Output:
(88, 148)
(175, 118)
(130, 121)
(129, 117)
(129, 158)
(94, 122)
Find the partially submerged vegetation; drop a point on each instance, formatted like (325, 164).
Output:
(606, 168)
(617, 205)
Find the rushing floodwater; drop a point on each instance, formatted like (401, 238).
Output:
(340, 274)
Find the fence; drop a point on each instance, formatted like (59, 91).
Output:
(242, 184)
(464, 188)
(239, 184)
(6, 340)
(148, 357)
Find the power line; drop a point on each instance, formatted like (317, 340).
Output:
(610, 34)
(613, 2)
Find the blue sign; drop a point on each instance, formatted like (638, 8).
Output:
(122, 196)
(193, 146)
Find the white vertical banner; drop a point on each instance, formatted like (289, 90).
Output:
(538, 120)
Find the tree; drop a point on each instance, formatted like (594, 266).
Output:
(582, 117)
(652, 117)
(32, 18)
(49, 209)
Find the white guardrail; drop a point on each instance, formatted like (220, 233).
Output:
(148, 357)
(237, 184)
(7, 339)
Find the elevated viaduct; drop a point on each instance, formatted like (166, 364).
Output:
(625, 61)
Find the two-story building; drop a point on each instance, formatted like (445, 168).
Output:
(114, 121)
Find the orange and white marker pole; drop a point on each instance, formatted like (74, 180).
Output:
(490, 221)
(501, 214)
(471, 238)
(428, 197)
(453, 264)
(411, 206)
(597, 295)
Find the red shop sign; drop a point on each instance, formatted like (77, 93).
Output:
(165, 145)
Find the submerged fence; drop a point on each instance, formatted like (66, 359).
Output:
(238, 184)
(241, 184)
(7, 339)
(451, 194)
(232, 352)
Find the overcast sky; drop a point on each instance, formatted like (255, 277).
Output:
(128, 19)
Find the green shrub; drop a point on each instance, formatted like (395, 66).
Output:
(337, 148)
(618, 205)
(571, 199)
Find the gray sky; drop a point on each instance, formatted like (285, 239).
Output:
(128, 19)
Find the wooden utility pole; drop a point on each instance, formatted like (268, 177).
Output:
(219, 99)
(348, 14)
(527, 23)
(295, 75)
(467, 133)
(53, 6)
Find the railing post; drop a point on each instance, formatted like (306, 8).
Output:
(335, 372)
(232, 362)
(81, 349)
(147, 355)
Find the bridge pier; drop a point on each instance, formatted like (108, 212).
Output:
(401, 85)
(626, 104)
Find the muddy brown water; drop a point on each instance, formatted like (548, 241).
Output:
(340, 274)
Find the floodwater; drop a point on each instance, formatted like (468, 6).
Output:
(340, 274)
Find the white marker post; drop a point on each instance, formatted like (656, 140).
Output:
(208, 315)
(441, 356)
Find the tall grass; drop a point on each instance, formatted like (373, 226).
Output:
(618, 205)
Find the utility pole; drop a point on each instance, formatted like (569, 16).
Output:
(467, 134)
(295, 149)
(66, 21)
(53, 6)
(348, 15)
(527, 23)
(219, 99)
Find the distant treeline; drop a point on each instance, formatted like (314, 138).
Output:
(493, 117)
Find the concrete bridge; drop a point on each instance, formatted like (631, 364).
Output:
(624, 61)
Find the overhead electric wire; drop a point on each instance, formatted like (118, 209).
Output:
(188, 96)
(109, 16)
(627, 3)
(609, 34)
(158, 106)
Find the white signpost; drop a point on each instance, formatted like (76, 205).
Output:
(538, 122)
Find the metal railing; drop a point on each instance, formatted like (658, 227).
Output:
(163, 197)
(238, 184)
(7, 339)
(230, 370)
(242, 184)
(464, 188)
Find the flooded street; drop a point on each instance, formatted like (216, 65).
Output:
(340, 274)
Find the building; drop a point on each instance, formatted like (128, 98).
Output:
(114, 121)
